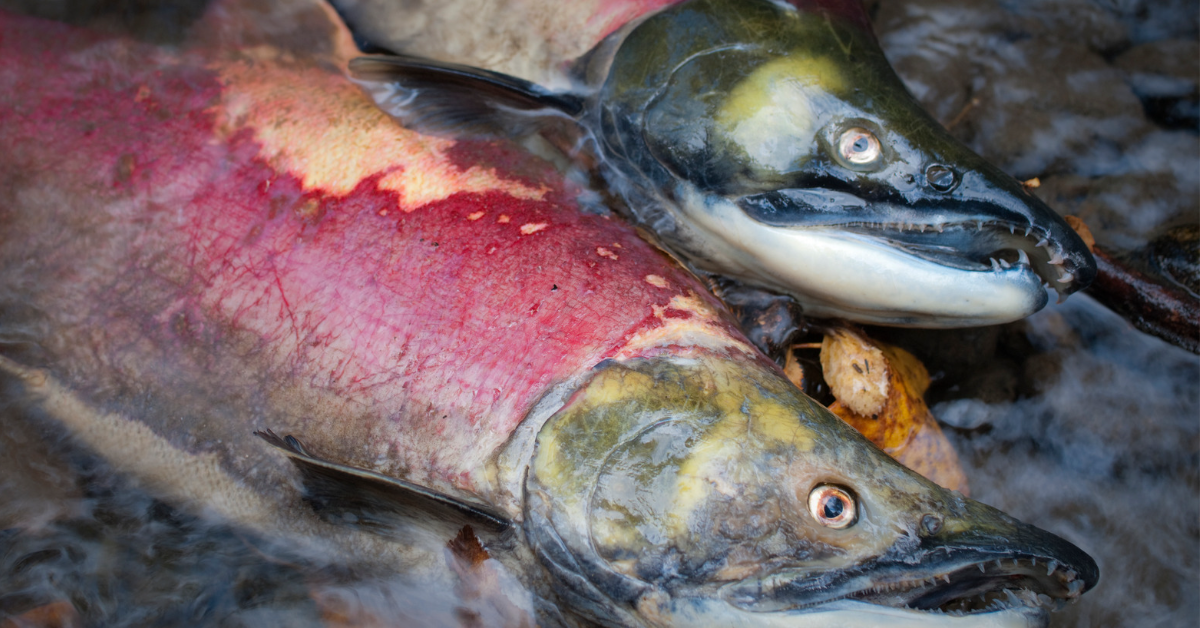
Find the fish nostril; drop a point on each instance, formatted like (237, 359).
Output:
(931, 524)
(941, 178)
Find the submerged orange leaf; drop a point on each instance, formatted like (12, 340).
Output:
(880, 392)
(60, 614)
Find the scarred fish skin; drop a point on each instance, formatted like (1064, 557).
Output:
(224, 237)
(388, 286)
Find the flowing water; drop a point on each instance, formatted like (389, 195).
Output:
(1071, 420)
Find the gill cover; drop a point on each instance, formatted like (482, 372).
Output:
(670, 491)
(774, 143)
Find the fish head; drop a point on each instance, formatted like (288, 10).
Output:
(793, 157)
(708, 491)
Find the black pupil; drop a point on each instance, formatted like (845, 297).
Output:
(860, 144)
(833, 507)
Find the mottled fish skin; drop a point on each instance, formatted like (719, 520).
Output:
(723, 123)
(225, 237)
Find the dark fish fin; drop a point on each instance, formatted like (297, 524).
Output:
(344, 494)
(446, 98)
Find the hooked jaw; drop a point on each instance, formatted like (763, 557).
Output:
(980, 257)
(680, 492)
(1015, 576)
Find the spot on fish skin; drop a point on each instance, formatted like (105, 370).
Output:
(309, 211)
(656, 281)
(475, 216)
(531, 228)
(503, 219)
(123, 171)
(603, 252)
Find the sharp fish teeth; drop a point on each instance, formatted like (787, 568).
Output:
(1043, 242)
(1051, 566)
(1056, 259)
(995, 264)
(1066, 278)
(1022, 257)
(1005, 263)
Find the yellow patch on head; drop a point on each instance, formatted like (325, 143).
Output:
(774, 114)
(751, 423)
(656, 281)
(320, 128)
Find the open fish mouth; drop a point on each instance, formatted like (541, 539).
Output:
(961, 235)
(969, 584)
(983, 245)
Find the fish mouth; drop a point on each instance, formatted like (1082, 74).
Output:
(958, 582)
(970, 235)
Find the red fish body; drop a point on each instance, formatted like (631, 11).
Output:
(424, 291)
(227, 237)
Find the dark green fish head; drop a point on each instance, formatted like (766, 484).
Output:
(776, 145)
(705, 491)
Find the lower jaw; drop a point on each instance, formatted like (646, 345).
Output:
(703, 612)
(835, 273)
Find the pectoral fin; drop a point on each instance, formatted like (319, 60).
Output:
(349, 495)
(445, 98)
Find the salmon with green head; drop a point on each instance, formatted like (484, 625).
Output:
(693, 491)
(772, 142)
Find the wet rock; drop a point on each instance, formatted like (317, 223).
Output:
(1164, 75)
(1151, 20)
(1013, 84)
(1097, 26)
(1127, 197)
(1030, 131)
(937, 47)
(1176, 256)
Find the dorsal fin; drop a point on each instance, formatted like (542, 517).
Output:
(446, 98)
(349, 495)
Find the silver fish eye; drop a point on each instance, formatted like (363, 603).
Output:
(859, 147)
(832, 506)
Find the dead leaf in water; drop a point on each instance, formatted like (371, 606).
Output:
(880, 392)
(60, 614)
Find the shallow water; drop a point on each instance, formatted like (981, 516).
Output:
(1072, 420)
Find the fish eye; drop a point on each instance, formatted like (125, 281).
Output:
(832, 506)
(859, 147)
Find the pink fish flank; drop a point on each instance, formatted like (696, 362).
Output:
(246, 219)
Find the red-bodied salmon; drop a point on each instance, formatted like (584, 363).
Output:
(226, 237)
